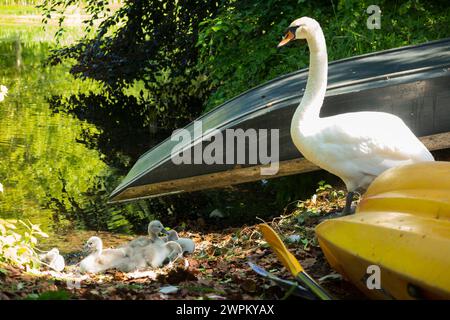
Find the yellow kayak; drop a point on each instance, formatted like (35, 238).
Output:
(402, 227)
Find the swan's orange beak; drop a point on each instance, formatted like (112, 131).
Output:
(287, 38)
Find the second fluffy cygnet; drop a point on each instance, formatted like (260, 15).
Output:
(186, 244)
(53, 260)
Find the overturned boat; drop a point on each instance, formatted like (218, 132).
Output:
(248, 137)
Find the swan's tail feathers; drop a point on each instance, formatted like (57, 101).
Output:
(426, 155)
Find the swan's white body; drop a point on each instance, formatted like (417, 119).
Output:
(358, 149)
(357, 146)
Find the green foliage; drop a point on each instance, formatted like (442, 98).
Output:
(323, 186)
(238, 46)
(145, 49)
(332, 193)
(325, 199)
(18, 247)
(50, 295)
(215, 51)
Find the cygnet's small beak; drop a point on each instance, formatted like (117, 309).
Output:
(287, 38)
(164, 231)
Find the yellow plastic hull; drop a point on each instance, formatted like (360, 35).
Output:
(402, 225)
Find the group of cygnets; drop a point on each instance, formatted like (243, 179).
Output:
(144, 252)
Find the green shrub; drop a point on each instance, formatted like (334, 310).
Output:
(237, 47)
(18, 248)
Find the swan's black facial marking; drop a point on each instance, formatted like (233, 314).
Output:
(290, 35)
(291, 30)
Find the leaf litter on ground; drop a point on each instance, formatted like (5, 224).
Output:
(218, 269)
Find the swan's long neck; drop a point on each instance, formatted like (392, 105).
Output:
(309, 108)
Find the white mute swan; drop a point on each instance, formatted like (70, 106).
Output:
(356, 146)
(100, 260)
(186, 244)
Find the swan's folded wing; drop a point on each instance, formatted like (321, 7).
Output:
(374, 141)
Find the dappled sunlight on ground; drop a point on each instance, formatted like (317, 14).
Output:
(217, 270)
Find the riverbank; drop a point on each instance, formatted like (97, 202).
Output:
(218, 269)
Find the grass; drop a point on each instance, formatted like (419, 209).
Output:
(18, 10)
(35, 32)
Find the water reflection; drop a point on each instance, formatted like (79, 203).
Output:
(43, 168)
(57, 182)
